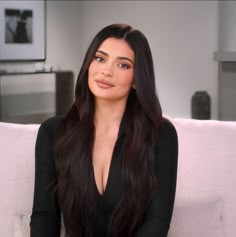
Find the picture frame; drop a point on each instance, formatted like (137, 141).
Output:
(22, 30)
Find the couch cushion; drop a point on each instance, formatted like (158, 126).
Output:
(17, 144)
(22, 226)
(197, 218)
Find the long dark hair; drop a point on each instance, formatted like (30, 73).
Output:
(75, 139)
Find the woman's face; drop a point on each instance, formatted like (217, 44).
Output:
(111, 72)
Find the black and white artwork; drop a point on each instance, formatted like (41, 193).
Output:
(18, 28)
(22, 30)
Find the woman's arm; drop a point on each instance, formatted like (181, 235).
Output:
(158, 216)
(45, 218)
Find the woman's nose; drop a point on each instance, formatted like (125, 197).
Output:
(108, 69)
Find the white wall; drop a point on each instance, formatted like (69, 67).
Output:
(182, 35)
(64, 34)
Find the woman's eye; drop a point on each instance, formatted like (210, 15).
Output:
(123, 65)
(99, 59)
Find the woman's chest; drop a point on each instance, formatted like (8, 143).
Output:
(107, 166)
(102, 157)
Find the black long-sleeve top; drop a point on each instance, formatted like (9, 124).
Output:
(46, 216)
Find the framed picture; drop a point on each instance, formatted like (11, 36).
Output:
(22, 30)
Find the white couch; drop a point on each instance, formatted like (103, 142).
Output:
(206, 189)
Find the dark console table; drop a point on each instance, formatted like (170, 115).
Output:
(64, 95)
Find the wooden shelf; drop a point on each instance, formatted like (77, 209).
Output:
(10, 73)
(64, 96)
(224, 56)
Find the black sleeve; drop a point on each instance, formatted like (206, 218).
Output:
(158, 215)
(45, 218)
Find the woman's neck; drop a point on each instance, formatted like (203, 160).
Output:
(108, 114)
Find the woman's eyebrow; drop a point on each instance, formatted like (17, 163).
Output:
(102, 52)
(125, 58)
(122, 58)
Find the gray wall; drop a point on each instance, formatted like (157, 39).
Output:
(227, 70)
(182, 34)
(227, 23)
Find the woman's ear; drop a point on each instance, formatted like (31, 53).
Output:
(134, 86)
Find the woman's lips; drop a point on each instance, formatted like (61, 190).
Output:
(104, 84)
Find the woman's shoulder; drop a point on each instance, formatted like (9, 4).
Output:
(51, 124)
(167, 128)
(52, 121)
(167, 146)
(167, 134)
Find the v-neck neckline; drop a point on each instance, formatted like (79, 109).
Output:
(120, 133)
(108, 177)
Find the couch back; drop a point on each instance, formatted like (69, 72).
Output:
(206, 171)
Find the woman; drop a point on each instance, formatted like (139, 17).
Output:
(113, 157)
